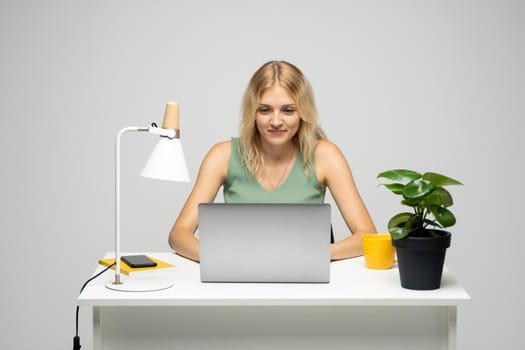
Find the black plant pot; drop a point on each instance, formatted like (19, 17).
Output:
(420, 260)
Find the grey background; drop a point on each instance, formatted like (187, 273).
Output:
(428, 85)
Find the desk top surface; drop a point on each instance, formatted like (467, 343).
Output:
(351, 283)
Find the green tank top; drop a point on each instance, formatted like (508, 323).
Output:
(241, 185)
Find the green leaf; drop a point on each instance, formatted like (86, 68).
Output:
(418, 188)
(415, 223)
(402, 175)
(395, 188)
(440, 180)
(443, 215)
(399, 220)
(399, 233)
(399, 225)
(411, 202)
(439, 197)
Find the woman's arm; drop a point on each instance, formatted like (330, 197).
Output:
(211, 177)
(333, 171)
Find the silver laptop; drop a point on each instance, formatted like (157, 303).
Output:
(287, 243)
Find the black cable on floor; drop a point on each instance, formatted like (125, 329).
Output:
(76, 338)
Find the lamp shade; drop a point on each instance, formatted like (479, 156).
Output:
(167, 162)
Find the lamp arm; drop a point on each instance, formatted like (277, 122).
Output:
(170, 133)
(117, 197)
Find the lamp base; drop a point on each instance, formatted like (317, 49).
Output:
(140, 285)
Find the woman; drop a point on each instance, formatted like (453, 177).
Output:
(282, 156)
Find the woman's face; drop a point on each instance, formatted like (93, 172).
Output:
(277, 119)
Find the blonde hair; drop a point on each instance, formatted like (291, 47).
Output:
(295, 83)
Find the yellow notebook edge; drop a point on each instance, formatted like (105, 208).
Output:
(126, 269)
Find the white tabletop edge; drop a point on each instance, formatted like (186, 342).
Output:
(351, 284)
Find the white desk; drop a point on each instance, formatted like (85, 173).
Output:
(358, 309)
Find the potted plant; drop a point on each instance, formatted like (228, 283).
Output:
(419, 236)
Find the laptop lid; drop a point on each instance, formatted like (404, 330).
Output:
(287, 243)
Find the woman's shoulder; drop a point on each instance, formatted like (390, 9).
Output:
(328, 156)
(330, 163)
(221, 149)
(325, 148)
(217, 159)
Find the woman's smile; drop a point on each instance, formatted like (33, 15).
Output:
(277, 132)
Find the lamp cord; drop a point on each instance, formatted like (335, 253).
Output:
(76, 338)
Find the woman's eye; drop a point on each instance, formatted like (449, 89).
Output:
(288, 110)
(264, 110)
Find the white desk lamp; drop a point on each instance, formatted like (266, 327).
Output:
(166, 162)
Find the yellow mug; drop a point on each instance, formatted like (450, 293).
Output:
(378, 251)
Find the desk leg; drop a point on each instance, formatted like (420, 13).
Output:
(452, 327)
(97, 329)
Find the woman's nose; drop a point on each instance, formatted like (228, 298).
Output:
(276, 119)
